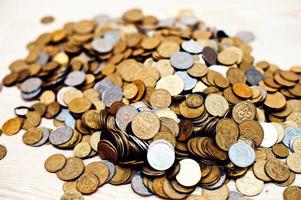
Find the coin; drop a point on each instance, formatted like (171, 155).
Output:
(87, 183)
(243, 111)
(242, 90)
(242, 155)
(124, 116)
(32, 136)
(275, 101)
(111, 168)
(280, 150)
(121, 175)
(259, 170)
(277, 170)
(296, 145)
(293, 161)
(55, 163)
(100, 170)
(194, 100)
(292, 193)
(173, 84)
(82, 150)
(138, 186)
(226, 133)
(221, 193)
(160, 98)
(160, 154)
(72, 195)
(47, 20)
(216, 105)
(12, 126)
(249, 185)
(189, 82)
(73, 168)
(3, 151)
(290, 133)
(60, 135)
(145, 125)
(181, 60)
(192, 46)
(253, 76)
(251, 129)
(171, 192)
(189, 166)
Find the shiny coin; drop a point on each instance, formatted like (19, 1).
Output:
(160, 155)
(112, 95)
(102, 45)
(100, 170)
(124, 116)
(292, 193)
(242, 155)
(189, 82)
(190, 173)
(31, 85)
(173, 84)
(290, 133)
(75, 78)
(192, 46)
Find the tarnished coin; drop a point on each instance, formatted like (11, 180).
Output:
(280, 150)
(145, 125)
(254, 76)
(216, 105)
(249, 185)
(160, 154)
(74, 168)
(277, 170)
(270, 134)
(60, 135)
(259, 170)
(160, 98)
(100, 170)
(55, 163)
(138, 186)
(251, 129)
(190, 173)
(72, 195)
(194, 100)
(171, 192)
(243, 111)
(181, 60)
(226, 133)
(87, 183)
(3, 151)
(294, 162)
(173, 84)
(242, 155)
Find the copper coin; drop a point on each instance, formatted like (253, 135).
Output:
(226, 133)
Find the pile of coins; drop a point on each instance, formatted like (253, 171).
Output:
(168, 105)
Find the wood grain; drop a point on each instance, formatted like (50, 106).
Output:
(276, 24)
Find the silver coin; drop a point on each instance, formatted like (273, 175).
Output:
(102, 45)
(189, 20)
(112, 169)
(290, 133)
(102, 19)
(44, 138)
(31, 85)
(138, 186)
(112, 36)
(242, 155)
(181, 60)
(270, 134)
(43, 58)
(189, 82)
(166, 22)
(62, 115)
(60, 95)
(70, 121)
(254, 76)
(160, 155)
(30, 96)
(112, 95)
(103, 85)
(60, 135)
(125, 115)
(233, 195)
(75, 78)
(192, 46)
(245, 36)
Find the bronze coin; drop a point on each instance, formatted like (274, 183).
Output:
(194, 100)
(226, 133)
(251, 129)
(277, 170)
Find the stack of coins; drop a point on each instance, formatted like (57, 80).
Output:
(168, 105)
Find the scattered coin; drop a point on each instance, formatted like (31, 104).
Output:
(55, 163)
(3, 151)
(47, 20)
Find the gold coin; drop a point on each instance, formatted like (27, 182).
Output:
(121, 175)
(160, 98)
(145, 125)
(277, 170)
(3, 151)
(74, 168)
(12, 126)
(87, 183)
(100, 170)
(221, 193)
(32, 136)
(292, 193)
(79, 105)
(47, 97)
(72, 195)
(55, 163)
(82, 149)
(69, 186)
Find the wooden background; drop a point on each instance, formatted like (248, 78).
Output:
(276, 24)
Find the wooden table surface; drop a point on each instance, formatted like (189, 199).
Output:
(276, 24)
